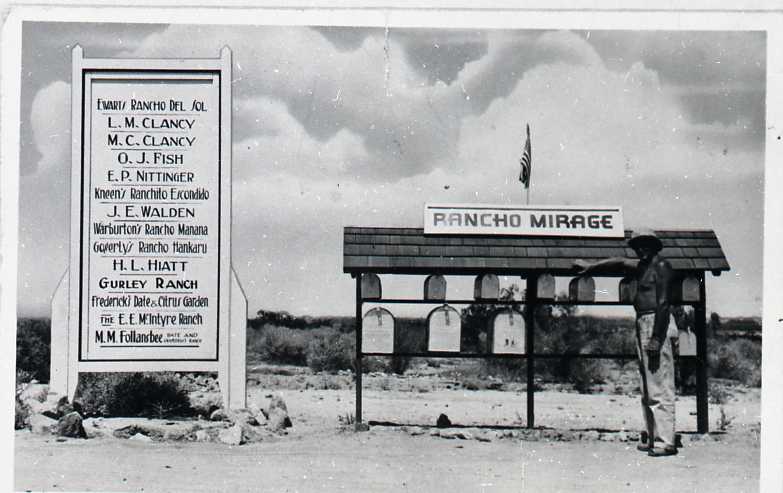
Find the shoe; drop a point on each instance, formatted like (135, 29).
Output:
(643, 447)
(662, 451)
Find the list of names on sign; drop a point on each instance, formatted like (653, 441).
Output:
(151, 215)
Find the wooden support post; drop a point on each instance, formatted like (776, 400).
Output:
(358, 349)
(700, 315)
(531, 301)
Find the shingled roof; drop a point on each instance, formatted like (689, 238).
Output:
(409, 251)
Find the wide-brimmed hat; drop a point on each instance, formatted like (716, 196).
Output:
(643, 236)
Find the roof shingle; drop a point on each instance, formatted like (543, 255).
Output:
(409, 251)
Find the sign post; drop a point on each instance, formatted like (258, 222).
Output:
(150, 286)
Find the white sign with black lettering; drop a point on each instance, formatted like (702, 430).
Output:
(486, 219)
(151, 214)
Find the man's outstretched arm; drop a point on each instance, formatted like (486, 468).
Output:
(613, 264)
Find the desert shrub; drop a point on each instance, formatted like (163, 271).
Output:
(23, 376)
(507, 369)
(374, 364)
(398, 364)
(587, 372)
(33, 338)
(331, 351)
(132, 394)
(474, 383)
(281, 345)
(410, 336)
(717, 394)
(21, 415)
(738, 359)
(561, 330)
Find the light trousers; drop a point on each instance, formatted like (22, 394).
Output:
(657, 386)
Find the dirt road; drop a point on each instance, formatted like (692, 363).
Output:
(379, 460)
(318, 456)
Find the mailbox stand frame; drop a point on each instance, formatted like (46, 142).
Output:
(532, 302)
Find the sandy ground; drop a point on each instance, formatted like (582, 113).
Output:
(319, 454)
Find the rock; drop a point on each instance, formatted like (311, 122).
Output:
(233, 435)
(243, 416)
(202, 436)
(452, 434)
(64, 407)
(257, 409)
(483, 437)
(176, 435)
(41, 424)
(140, 437)
(279, 421)
(253, 434)
(71, 426)
(414, 431)
(260, 417)
(130, 430)
(443, 421)
(34, 391)
(218, 415)
(277, 403)
(204, 403)
(50, 405)
(590, 435)
(36, 406)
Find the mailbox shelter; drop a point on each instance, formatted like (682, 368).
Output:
(370, 252)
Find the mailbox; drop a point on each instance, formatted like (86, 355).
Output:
(371, 287)
(627, 289)
(508, 332)
(435, 288)
(445, 329)
(581, 289)
(378, 331)
(687, 340)
(546, 287)
(486, 287)
(690, 289)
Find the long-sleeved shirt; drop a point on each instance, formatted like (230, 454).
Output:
(653, 292)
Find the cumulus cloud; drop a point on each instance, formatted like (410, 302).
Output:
(361, 135)
(50, 123)
(407, 122)
(599, 137)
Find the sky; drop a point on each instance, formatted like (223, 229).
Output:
(339, 126)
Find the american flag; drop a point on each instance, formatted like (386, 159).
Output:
(526, 161)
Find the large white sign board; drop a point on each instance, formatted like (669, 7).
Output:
(150, 285)
(151, 215)
(487, 219)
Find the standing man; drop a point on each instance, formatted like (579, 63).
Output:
(653, 275)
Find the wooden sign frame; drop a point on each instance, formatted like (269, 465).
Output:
(70, 309)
